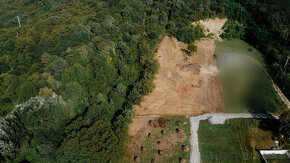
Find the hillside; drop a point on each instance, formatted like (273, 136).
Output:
(72, 70)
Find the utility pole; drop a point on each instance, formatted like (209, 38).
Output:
(19, 21)
(287, 61)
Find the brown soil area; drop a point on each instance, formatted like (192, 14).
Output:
(138, 124)
(213, 26)
(184, 85)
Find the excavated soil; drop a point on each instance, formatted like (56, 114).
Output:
(185, 85)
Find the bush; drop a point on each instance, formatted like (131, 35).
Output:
(75, 93)
(56, 68)
(45, 93)
(232, 30)
(192, 48)
(26, 91)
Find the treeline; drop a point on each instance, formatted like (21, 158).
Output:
(87, 62)
(266, 27)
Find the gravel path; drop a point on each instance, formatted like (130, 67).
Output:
(218, 118)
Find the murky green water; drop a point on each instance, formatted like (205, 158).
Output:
(239, 65)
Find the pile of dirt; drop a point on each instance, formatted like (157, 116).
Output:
(192, 67)
(184, 85)
(161, 122)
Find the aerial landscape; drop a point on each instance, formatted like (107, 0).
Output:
(149, 81)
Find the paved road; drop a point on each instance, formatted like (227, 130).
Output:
(218, 118)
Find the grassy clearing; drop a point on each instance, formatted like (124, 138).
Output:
(247, 87)
(234, 141)
(276, 158)
(172, 154)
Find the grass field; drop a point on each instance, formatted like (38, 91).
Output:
(247, 87)
(234, 141)
(171, 145)
(276, 158)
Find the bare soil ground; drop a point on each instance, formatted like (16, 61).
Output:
(138, 124)
(212, 26)
(185, 85)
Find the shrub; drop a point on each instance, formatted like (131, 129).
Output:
(45, 93)
(56, 68)
(192, 48)
(26, 91)
(46, 58)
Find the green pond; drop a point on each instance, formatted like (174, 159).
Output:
(240, 65)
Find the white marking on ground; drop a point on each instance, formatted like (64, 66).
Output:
(218, 118)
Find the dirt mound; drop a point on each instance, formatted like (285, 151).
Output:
(193, 67)
(184, 85)
(161, 122)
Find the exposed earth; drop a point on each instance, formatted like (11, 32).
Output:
(213, 26)
(185, 85)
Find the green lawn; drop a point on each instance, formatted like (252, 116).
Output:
(234, 141)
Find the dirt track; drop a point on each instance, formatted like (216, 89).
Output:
(184, 85)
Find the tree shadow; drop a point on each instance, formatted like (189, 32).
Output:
(271, 125)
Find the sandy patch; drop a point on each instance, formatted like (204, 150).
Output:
(212, 26)
(138, 124)
(184, 85)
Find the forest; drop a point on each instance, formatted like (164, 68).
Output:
(71, 73)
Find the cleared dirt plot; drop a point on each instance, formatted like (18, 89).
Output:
(159, 139)
(213, 26)
(235, 141)
(185, 84)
